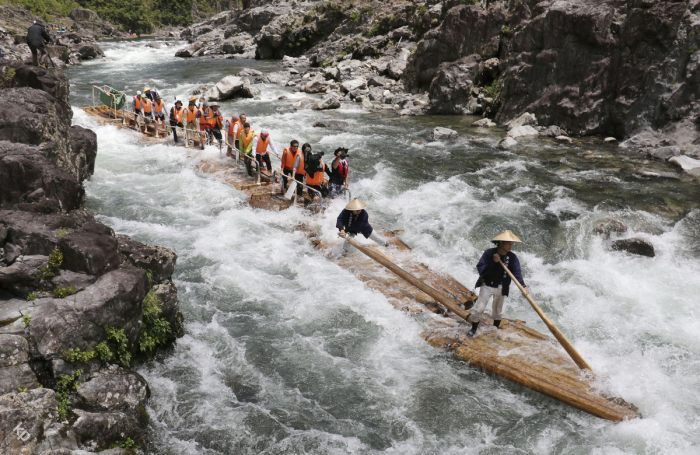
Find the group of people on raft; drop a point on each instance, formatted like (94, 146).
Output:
(299, 164)
(302, 165)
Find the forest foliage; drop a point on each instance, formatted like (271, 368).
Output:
(138, 16)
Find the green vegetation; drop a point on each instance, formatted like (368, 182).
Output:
(31, 297)
(27, 320)
(121, 345)
(9, 72)
(62, 293)
(506, 31)
(494, 89)
(155, 330)
(55, 261)
(61, 233)
(64, 387)
(103, 352)
(22, 389)
(124, 444)
(693, 49)
(76, 355)
(139, 16)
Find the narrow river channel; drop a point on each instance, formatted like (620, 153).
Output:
(286, 352)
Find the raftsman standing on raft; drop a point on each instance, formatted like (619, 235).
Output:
(354, 219)
(493, 280)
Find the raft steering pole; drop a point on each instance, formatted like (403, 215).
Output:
(575, 356)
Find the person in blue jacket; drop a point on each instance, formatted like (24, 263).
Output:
(493, 280)
(354, 220)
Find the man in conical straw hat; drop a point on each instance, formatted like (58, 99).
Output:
(493, 280)
(353, 220)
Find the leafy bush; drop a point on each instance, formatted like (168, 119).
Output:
(121, 345)
(494, 89)
(506, 31)
(27, 320)
(155, 330)
(31, 297)
(62, 293)
(103, 352)
(64, 387)
(125, 444)
(76, 355)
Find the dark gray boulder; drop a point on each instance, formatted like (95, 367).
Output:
(89, 252)
(15, 372)
(113, 389)
(634, 246)
(159, 261)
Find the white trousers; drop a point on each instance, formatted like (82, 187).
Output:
(374, 236)
(485, 294)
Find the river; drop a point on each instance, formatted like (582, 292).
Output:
(286, 352)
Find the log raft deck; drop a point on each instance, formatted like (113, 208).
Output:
(514, 352)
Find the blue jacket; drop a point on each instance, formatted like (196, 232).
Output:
(360, 224)
(486, 266)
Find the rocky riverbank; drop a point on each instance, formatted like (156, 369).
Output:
(78, 304)
(83, 28)
(626, 70)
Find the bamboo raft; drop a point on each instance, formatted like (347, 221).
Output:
(514, 352)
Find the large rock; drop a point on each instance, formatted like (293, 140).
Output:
(20, 278)
(83, 144)
(237, 44)
(30, 181)
(89, 252)
(115, 300)
(353, 85)
(440, 134)
(520, 131)
(89, 51)
(113, 389)
(159, 261)
(108, 427)
(451, 90)
(689, 165)
(83, 14)
(15, 372)
(664, 153)
(230, 87)
(609, 226)
(634, 246)
(330, 101)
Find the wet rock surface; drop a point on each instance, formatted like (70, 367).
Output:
(635, 246)
(72, 293)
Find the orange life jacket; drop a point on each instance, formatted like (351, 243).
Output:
(288, 159)
(262, 145)
(191, 115)
(137, 102)
(244, 140)
(317, 178)
(158, 107)
(231, 124)
(300, 169)
(178, 114)
(210, 116)
(146, 106)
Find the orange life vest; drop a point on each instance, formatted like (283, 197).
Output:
(146, 106)
(191, 115)
(262, 145)
(137, 102)
(244, 140)
(317, 178)
(288, 159)
(210, 116)
(231, 124)
(158, 107)
(300, 169)
(179, 114)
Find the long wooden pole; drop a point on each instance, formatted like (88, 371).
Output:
(450, 303)
(550, 325)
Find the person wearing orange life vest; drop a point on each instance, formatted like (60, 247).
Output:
(314, 177)
(229, 135)
(212, 120)
(260, 145)
(288, 158)
(158, 109)
(138, 102)
(234, 127)
(192, 116)
(177, 115)
(245, 140)
(298, 167)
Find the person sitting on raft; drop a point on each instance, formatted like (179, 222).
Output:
(354, 219)
(259, 146)
(493, 280)
(338, 173)
(177, 114)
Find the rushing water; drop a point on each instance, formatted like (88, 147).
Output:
(285, 352)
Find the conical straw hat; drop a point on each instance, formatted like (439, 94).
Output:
(355, 204)
(507, 236)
